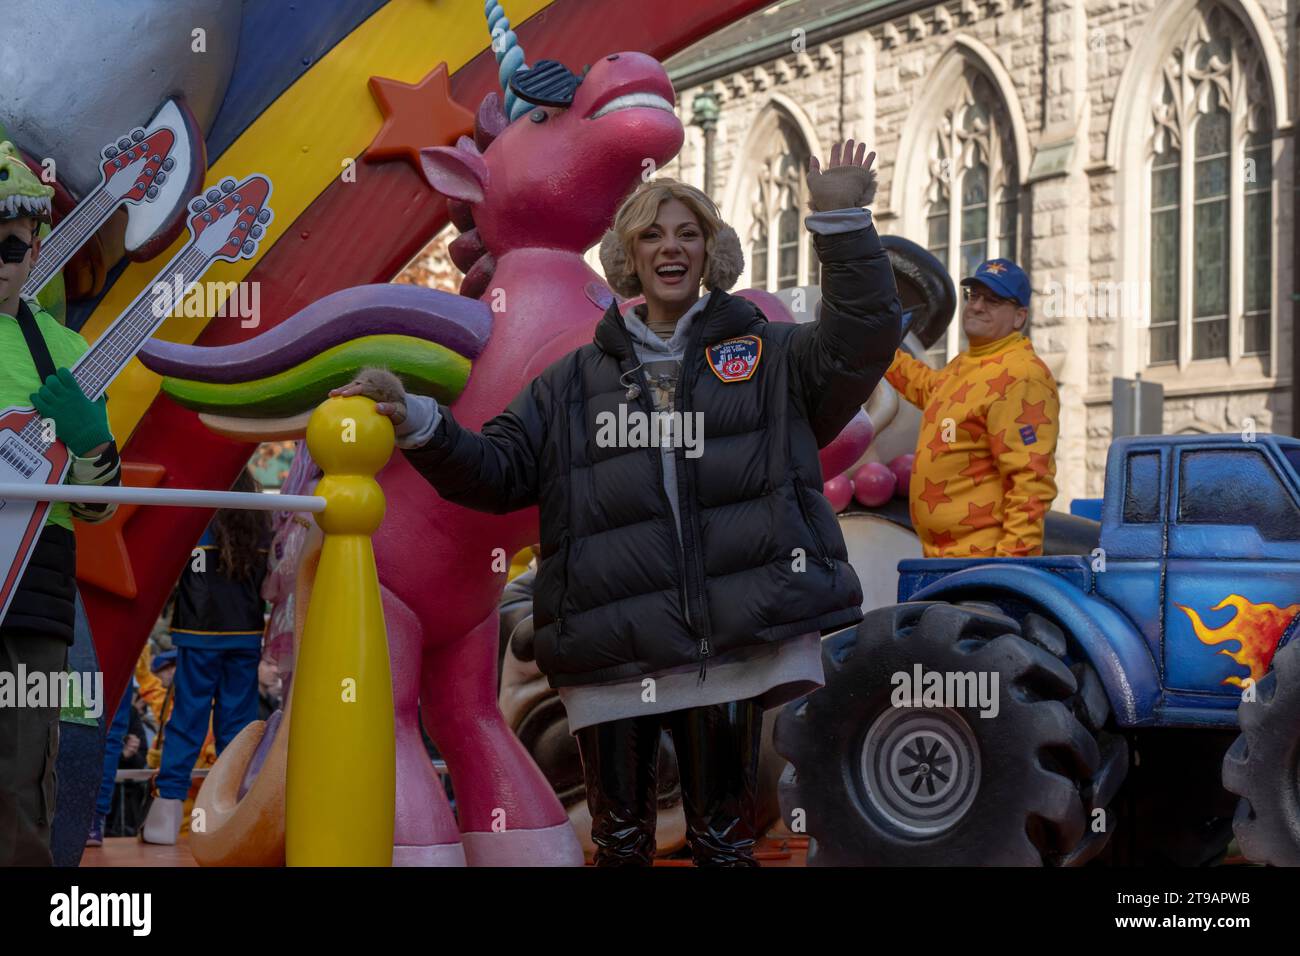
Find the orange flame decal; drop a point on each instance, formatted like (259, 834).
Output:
(1256, 627)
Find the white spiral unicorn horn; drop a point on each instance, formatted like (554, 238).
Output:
(509, 54)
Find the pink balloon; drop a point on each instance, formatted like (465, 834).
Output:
(873, 484)
(902, 469)
(838, 491)
(849, 445)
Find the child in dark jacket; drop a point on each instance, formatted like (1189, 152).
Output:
(217, 630)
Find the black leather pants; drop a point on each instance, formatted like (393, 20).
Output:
(717, 757)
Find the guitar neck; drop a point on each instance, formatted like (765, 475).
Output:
(71, 234)
(120, 342)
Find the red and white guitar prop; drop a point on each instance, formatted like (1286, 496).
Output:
(226, 224)
(133, 169)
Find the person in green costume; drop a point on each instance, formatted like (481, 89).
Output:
(38, 627)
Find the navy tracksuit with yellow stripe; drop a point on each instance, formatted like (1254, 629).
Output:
(217, 631)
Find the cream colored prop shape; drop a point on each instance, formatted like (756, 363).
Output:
(250, 832)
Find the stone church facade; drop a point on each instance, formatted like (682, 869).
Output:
(1134, 156)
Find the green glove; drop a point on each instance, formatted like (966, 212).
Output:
(78, 422)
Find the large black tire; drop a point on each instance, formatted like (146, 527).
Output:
(1263, 765)
(1010, 789)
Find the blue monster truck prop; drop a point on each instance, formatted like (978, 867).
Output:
(1021, 710)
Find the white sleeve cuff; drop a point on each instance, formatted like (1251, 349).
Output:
(422, 418)
(838, 220)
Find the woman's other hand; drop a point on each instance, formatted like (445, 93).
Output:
(848, 182)
(383, 387)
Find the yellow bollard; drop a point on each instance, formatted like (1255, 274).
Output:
(341, 776)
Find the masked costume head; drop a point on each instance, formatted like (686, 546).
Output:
(22, 195)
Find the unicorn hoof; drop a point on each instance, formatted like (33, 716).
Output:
(442, 854)
(547, 846)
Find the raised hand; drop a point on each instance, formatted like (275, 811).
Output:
(383, 387)
(848, 182)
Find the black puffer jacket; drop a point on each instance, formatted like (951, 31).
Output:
(45, 602)
(615, 594)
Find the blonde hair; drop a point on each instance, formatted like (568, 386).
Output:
(723, 260)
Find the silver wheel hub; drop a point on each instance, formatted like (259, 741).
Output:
(920, 768)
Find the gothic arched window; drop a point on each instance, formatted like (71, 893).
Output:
(781, 251)
(972, 210)
(1211, 203)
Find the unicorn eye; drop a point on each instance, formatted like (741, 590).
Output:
(538, 116)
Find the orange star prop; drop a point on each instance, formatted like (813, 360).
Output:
(416, 116)
(980, 516)
(979, 469)
(102, 558)
(1001, 383)
(1032, 413)
(959, 394)
(934, 495)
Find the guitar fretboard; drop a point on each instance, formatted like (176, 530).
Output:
(62, 244)
(128, 333)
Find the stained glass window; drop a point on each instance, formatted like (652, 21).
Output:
(973, 179)
(788, 249)
(758, 258)
(1164, 258)
(1210, 236)
(937, 228)
(1212, 219)
(974, 218)
(1257, 252)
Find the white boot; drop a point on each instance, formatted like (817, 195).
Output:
(163, 823)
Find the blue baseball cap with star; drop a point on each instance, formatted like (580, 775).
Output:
(1004, 278)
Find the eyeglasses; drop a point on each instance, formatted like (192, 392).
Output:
(13, 249)
(971, 294)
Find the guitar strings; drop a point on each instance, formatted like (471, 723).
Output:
(120, 342)
(70, 236)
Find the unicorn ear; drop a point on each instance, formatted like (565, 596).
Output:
(456, 173)
(489, 122)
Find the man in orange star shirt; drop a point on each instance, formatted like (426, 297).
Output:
(985, 469)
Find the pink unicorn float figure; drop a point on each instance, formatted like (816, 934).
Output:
(530, 194)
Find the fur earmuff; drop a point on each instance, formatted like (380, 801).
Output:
(722, 267)
(725, 262)
(618, 270)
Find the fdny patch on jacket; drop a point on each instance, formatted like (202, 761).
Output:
(735, 360)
